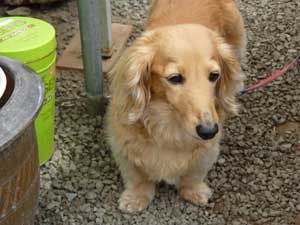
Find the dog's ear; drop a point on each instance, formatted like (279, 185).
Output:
(131, 79)
(231, 81)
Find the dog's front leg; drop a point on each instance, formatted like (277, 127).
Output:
(139, 189)
(192, 186)
(195, 190)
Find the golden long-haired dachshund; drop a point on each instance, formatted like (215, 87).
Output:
(171, 92)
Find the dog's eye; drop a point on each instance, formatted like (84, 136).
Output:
(213, 76)
(176, 79)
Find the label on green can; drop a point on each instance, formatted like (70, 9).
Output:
(11, 28)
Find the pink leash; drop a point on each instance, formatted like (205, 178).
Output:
(272, 77)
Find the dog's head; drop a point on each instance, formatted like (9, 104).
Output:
(186, 72)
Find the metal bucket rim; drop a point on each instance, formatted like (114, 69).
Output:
(14, 123)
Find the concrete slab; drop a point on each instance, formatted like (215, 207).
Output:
(71, 59)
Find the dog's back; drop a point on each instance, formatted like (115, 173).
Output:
(222, 16)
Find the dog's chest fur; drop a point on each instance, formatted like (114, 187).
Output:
(169, 164)
(163, 161)
(166, 164)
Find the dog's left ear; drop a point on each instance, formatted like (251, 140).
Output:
(131, 81)
(231, 81)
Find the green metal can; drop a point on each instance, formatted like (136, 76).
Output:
(33, 42)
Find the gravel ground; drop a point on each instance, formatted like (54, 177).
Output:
(256, 180)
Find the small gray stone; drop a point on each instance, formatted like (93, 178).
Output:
(285, 146)
(221, 161)
(20, 11)
(85, 208)
(236, 223)
(68, 186)
(71, 196)
(52, 205)
(91, 195)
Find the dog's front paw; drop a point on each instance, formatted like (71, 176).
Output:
(131, 202)
(197, 194)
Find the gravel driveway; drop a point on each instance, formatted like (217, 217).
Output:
(256, 180)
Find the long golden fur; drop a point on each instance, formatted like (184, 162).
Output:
(152, 120)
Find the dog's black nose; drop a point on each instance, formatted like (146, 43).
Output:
(207, 131)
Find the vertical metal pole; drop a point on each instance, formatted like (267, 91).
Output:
(106, 33)
(89, 19)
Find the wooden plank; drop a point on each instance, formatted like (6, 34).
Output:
(71, 58)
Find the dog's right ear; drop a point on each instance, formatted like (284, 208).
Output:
(131, 80)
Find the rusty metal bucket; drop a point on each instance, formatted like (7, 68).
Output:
(19, 164)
